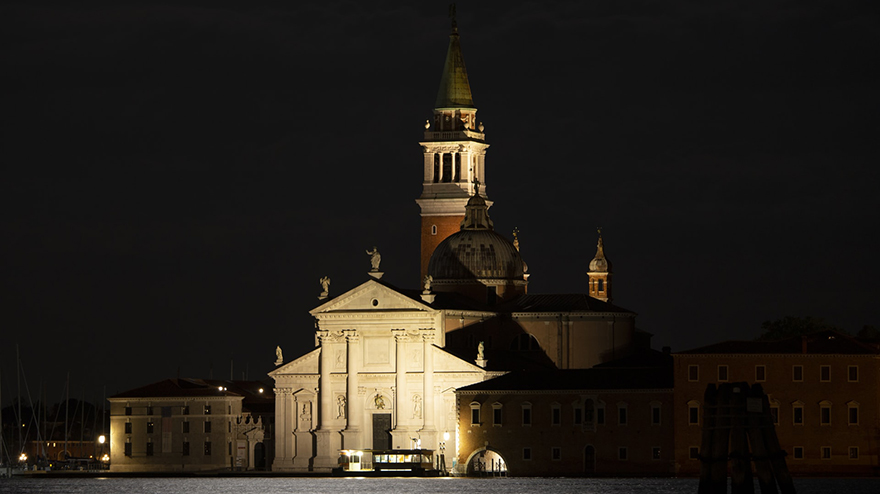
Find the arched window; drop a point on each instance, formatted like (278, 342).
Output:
(447, 167)
(601, 285)
(525, 343)
(436, 168)
(433, 229)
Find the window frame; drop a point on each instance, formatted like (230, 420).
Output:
(693, 405)
(656, 413)
(527, 454)
(795, 371)
(555, 415)
(526, 414)
(656, 453)
(555, 453)
(693, 452)
(795, 450)
(822, 451)
(622, 453)
(760, 373)
(852, 406)
(497, 415)
(795, 407)
(849, 373)
(726, 369)
(476, 417)
(622, 414)
(850, 452)
(823, 369)
(696, 373)
(825, 413)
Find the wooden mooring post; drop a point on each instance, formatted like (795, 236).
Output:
(738, 427)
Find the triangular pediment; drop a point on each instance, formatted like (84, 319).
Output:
(447, 362)
(371, 296)
(307, 364)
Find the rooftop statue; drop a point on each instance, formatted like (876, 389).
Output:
(375, 258)
(279, 358)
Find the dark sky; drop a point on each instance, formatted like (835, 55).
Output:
(177, 176)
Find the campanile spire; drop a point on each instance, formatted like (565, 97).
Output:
(454, 148)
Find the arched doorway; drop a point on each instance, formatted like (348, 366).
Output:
(589, 460)
(486, 463)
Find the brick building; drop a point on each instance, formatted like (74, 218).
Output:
(823, 391)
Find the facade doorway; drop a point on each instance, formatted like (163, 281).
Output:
(381, 431)
(589, 460)
(259, 456)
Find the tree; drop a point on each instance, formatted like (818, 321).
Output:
(790, 326)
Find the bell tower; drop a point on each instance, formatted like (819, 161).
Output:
(600, 273)
(454, 148)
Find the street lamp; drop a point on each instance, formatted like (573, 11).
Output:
(102, 439)
(443, 453)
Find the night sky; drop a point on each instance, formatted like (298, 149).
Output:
(177, 176)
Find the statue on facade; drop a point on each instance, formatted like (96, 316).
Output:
(325, 286)
(279, 358)
(417, 407)
(428, 281)
(340, 407)
(379, 402)
(480, 349)
(375, 258)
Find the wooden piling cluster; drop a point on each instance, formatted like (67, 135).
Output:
(738, 427)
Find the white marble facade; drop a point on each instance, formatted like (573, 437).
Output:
(379, 360)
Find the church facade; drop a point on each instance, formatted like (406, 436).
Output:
(389, 361)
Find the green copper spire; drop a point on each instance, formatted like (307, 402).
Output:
(455, 91)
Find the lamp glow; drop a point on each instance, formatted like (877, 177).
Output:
(102, 439)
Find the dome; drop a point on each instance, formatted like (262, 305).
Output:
(476, 254)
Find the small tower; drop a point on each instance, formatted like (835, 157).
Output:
(600, 273)
(454, 150)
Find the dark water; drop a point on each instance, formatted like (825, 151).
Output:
(402, 486)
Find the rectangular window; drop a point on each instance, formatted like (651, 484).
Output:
(825, 415)
(186, 427)
(230, 448)
(186, 448)
(798, 415)
(207, 426)
(853, 415)
(600, 416)
(150, 427)
(475, 416)
(556, 416)
(655, 415)
(149, 410)
(722, 373)
(150, 449)
(655, 453)
(852, 373)
(621, 416)
(128, 427)
(555, 453)
(694, 415)
(207, 409)
(797, 373)
(826, 452)
(496, 417)
(207, 448)
(578, 416)
(526, 416)
(694, 453)
(798, 452)
(853, 453)
(774, 413)
(185, 410)
(229, 426)
(128, 410)
(760, 373)
(527, 454)
(825, 373)
(693, 373)
(127, 449)
(621, 453)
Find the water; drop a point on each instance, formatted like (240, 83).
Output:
(273, 485)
